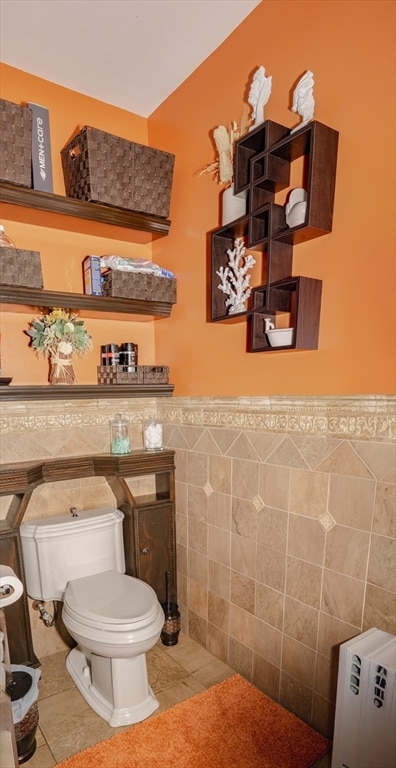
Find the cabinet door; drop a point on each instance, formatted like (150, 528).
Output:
(17, 614)
(154, 533)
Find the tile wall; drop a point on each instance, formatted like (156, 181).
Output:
(285, 524)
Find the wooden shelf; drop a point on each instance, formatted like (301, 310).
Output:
(263, 160)
(83, 391)
(68, 206)
(36, 297)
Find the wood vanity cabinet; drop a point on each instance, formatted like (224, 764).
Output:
(149, 522)
(266, 163)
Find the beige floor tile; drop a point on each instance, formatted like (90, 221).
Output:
(191, 656)
(42, 758)
(179, 692)
(163, 671)
(54, 675)
(69, 724)
(213, 673)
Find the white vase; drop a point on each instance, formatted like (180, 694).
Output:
(233, 206)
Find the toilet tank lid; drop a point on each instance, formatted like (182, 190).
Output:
(86, 520)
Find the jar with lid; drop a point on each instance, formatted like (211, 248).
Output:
(119, 435)
(153, 434)
(5, 241)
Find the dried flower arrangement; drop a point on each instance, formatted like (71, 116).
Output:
(224, 139)
(57, 335)
(234, 278)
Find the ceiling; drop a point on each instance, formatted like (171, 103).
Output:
(129, 53)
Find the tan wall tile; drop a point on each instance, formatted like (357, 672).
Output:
(243, 591)
(271, 568)
(384, 521)
(264, 443)
(296, 697)
(218, 611)
(181, 493)
(382, 562)
(380, 457)
(266, 677)
(198, 567)
(181, 529)
(342, 597)
(219, 510)
(326, 676)
(244, 478)
(308, 492)
(333, 632)
(197, 596)
(198, 536)
(220, 468)
(197, 627)
(274, 486)
(269, 605)
(345, 461)
(272, 528)
(351, 501)
(219, 580)
(379, 609)
(181, 465)
(197, 468)
(306, 539)
(244, 518)
(268, 642)
(219, 545)
(240, 658)
(347, 551)
(286, 454)
(217, 642)
(304, 581)
(197, 503)
(323, 713)
(242, 626)
(301, 622)
(298, 661)
(243, 555)
(242, 449)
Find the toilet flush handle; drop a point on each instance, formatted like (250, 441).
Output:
(145, 551)
(73, 511)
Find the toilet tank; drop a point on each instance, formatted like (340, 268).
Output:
(56, 550)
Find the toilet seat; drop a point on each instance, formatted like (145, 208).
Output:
(111, 600)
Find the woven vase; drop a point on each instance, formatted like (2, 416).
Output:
(61, 369)
(233, 206)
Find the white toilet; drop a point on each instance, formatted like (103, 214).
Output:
(115, 619)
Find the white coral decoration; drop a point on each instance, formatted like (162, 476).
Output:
(234, 278)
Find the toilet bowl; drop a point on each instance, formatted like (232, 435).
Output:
(114, 618)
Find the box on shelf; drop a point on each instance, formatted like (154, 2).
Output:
(102, 168)
(134, 285)
(19, 267)
(92, 275)
(15, 144)
(142, 374)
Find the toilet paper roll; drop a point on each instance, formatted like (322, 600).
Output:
(11, 588)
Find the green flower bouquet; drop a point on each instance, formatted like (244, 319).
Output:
(57, 335)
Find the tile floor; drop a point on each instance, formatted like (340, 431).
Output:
(67, 724)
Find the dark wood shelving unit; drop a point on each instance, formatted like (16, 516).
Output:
(68, 206)
(36, 297)
(263, 161)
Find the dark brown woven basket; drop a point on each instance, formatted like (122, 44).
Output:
(116, 374)
(133, 285)
(19, 267)
(102, 168)
(155, 374)
(15, 144)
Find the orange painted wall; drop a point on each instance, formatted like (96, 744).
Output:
(349, 46)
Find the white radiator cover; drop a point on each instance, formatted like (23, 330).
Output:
(365, 717)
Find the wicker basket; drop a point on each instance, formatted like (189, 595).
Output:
(155, 374)
(133, 285)
(19, 267)
(102, 168)
(143, 374)
(15, 144)
(116, 374)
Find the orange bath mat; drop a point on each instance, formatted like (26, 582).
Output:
(231, 725)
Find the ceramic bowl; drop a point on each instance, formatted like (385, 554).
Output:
(280, 337)
(296, 214)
